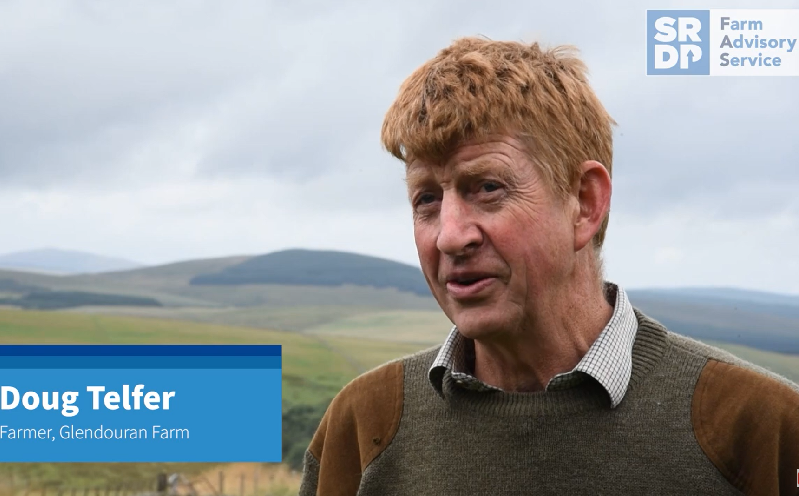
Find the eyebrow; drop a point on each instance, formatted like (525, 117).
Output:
(416, 177)
(482, 167)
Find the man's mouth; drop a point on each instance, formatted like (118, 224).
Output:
(464, 286)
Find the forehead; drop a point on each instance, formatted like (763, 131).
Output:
(494, 158)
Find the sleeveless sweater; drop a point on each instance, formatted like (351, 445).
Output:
(694, 420)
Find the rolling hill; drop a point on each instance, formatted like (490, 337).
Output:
(319, 268)
(336, 290)
(331, 329)
(55, 300)
(726, 295)
(739, 319)
(51, 260)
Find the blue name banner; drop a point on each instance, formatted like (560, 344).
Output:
(140, 403)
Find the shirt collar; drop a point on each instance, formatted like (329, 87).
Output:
(608, 360)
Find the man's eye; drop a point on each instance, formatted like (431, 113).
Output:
(490, 187)
(425, 199)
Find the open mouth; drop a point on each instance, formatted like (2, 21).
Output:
(468, 286)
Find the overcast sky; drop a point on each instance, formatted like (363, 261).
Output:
(164, 131)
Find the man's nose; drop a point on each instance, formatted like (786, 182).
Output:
(458, 230)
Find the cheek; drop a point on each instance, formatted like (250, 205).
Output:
(526, 244)
(511, 236)
(426, 240)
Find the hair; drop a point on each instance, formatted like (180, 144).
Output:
(478, 87)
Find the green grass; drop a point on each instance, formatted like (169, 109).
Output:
(284, 318)
(316, 363)
(406, 326)
(311, 372)
(367, 354)
(783, 364)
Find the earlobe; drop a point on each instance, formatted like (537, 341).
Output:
(593, 191)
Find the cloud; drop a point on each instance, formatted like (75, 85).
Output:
(686, 247)
(204, 124)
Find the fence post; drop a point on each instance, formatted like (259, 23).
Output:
(221, 483)
(255, 479)
(161, 483)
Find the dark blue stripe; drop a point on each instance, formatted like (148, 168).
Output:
(139, 350)
(140, 362)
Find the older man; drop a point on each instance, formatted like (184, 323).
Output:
(550, 382)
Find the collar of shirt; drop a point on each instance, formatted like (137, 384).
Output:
(608, 360)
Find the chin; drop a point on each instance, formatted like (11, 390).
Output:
(479, 323)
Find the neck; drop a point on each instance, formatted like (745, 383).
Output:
(553, 340)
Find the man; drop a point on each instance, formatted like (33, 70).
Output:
(550, 382)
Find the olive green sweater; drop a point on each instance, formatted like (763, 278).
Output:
(694, 420)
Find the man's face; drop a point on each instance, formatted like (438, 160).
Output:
(495, 243)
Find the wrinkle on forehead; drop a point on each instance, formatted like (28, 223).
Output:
(503, 158)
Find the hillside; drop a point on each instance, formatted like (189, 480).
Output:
(767, 326)
(316, 363)
(342, 288)
(170, 274)
(319, 268)
(314, 368)
(54, 300)
(57, 261)
(170, 285)
(727, 295)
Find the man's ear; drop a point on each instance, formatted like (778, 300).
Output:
(592, 191)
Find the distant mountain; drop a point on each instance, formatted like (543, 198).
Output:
(319, 268)
(175, 273)
(726, 295)
(767, 321)
(51, 260)
(297, 289)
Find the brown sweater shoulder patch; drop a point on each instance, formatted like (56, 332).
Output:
(359, 424)
(748, 426)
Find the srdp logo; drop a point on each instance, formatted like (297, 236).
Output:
(677, 42)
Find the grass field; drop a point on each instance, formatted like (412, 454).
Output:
(783, 364)
(316, 364)
(407, 326)
(283, 318)
(313, 371)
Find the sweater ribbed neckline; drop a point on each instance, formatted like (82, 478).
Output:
(649, 347)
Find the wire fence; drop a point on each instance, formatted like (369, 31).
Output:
(223, 483)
